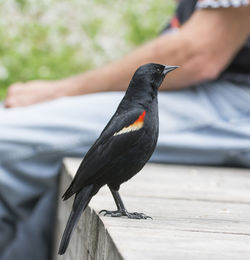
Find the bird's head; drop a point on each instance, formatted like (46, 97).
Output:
(150, 76)
(153, 73)
(146, 81)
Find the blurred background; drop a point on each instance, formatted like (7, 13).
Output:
(52, 39)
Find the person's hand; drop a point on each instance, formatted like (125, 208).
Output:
(32, 92)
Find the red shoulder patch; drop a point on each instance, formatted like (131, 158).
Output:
(138, 124)
(141, 117)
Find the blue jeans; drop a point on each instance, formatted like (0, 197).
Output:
(208, 124)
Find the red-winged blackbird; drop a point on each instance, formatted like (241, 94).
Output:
(123, 148)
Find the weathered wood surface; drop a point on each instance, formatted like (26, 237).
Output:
(198, 213)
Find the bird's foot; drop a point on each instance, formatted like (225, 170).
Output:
(136, 215)
(120, 213)
(115, 213)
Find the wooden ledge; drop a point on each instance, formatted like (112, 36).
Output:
(198, 213)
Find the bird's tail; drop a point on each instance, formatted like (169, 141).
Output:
(80, 203)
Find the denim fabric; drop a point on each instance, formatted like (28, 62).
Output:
(208, 124)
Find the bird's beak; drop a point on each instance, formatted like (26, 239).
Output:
(168, 69)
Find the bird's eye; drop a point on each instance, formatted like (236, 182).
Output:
(158, 70)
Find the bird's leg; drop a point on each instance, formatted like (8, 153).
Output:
(120, 206)
(121, 210)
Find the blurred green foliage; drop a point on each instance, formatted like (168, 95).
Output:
(51, 39)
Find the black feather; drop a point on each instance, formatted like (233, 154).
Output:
(81, 201)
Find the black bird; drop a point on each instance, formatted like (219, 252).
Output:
(123, 148)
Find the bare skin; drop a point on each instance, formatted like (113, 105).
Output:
(203, 47)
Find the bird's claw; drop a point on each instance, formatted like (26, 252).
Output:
(120, 213)
(136, 215)
(115, 213)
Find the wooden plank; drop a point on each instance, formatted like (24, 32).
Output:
(185, 182)
(198, 213)
(172, 244)
(182, 214)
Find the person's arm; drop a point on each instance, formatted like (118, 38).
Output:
(203, 46)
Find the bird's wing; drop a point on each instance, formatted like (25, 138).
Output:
(121, 133)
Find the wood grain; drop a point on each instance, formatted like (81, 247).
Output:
(198, 213)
